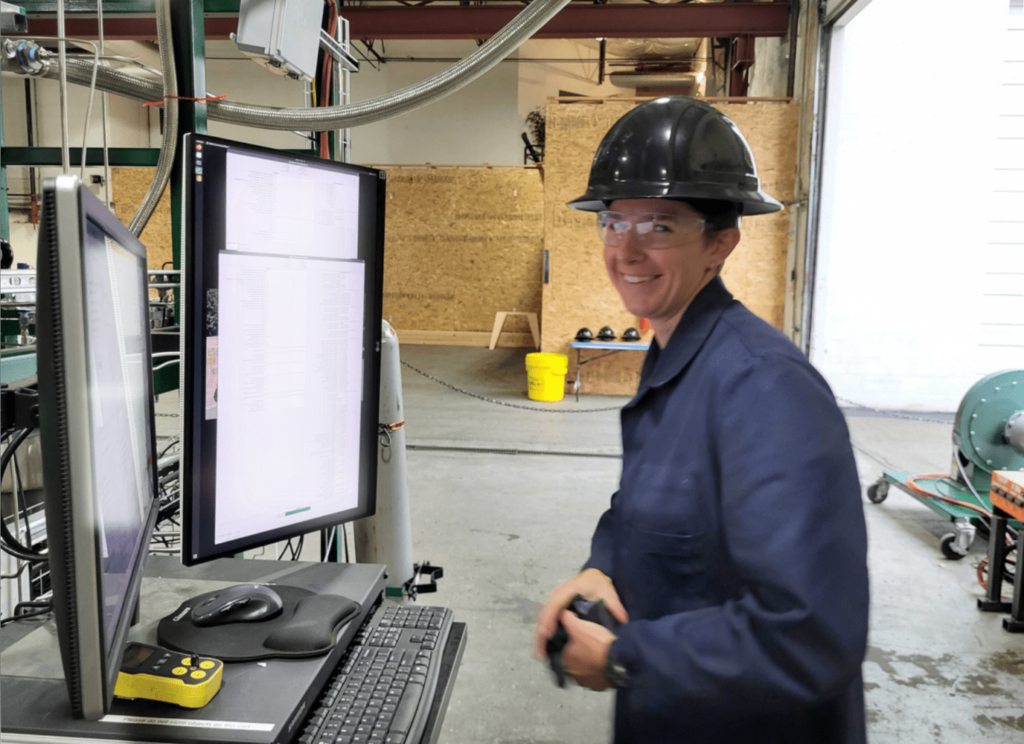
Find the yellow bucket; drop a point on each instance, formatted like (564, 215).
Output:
(545, 376)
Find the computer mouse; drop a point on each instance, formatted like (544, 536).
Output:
(242, 603)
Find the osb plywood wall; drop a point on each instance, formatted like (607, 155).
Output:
(580, 294)
(461, 245)
(127, 191)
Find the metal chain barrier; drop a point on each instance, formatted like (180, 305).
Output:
(505, 403)
(890, 414)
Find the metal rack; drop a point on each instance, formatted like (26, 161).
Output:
(188, 32)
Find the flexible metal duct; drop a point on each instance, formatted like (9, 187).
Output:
(170, 139)
(499, 46)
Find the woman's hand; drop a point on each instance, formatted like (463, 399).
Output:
(585, 656)
(593, 585)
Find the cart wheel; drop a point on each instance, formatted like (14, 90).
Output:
(947, 547)
(878, 492)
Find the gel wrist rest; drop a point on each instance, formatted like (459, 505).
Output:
(308, 625)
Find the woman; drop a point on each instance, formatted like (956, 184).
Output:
(734, 551)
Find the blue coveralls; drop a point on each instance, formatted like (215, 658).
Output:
(736, 542)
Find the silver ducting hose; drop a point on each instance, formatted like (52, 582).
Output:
(170, 141)
(499, 46)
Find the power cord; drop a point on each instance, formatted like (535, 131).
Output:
(10, 544)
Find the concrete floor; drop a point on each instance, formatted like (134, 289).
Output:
(508, 528)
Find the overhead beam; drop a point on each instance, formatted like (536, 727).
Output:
(631, 21)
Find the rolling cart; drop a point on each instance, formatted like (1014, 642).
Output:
(988, 435)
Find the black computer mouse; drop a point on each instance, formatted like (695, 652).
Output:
(242, 603)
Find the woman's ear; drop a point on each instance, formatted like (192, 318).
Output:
(721, 244)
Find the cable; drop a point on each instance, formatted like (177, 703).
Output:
(106, 117)
(25, 616)
(912, 485)
(20, 501)
(531, 19)
(18, 573)
(168, 448)
(168, 147)
(92, 85)
(330, 543)
(325, 75)
(10, 543)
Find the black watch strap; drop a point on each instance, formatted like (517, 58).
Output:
(615, 671)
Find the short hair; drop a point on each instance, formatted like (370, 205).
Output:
(718, 215)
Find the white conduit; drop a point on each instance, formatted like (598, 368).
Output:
(170, 140)
(499, 46)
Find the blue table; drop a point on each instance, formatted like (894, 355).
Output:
(612, 347)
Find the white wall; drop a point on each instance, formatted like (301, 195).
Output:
(540, 80)
(919, 287)
(131, 125)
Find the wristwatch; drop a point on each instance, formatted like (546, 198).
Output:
(615, 671)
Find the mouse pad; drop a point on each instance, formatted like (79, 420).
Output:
(307, 626)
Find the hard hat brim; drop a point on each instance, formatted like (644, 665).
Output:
(750, 203)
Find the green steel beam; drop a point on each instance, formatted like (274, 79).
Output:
(50, 156)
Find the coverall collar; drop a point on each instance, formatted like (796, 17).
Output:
(662, 365)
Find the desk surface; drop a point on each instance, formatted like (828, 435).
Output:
(613, 345)
(237, 571)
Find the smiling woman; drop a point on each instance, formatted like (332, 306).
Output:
(659, 254)
(734, 552)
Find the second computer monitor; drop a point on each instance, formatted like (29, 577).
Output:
(282, 275)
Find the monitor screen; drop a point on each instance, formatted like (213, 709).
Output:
(117, 330)
(282, 270)
(96, 429)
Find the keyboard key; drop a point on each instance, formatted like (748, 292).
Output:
(395, 739)
(416, 679)
(407, 709)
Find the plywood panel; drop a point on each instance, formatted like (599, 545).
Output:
(461, 245)
(580, 294)
(128, 188)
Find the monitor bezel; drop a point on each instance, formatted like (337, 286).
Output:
(66, 439)
(192, 414)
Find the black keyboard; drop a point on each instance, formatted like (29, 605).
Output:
(385, 682)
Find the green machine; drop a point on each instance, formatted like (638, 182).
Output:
(988, 435)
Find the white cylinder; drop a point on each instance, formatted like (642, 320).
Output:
(386, 537)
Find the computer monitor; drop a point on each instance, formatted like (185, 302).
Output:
(96, 432)
(281, 313)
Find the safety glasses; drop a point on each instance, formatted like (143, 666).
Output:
(653, 230)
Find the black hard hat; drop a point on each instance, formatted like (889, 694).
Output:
(675, 147)
(584, 334)
(8, 254)
(631, 334)
(606, 334)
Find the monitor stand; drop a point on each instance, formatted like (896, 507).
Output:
(260, 702)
